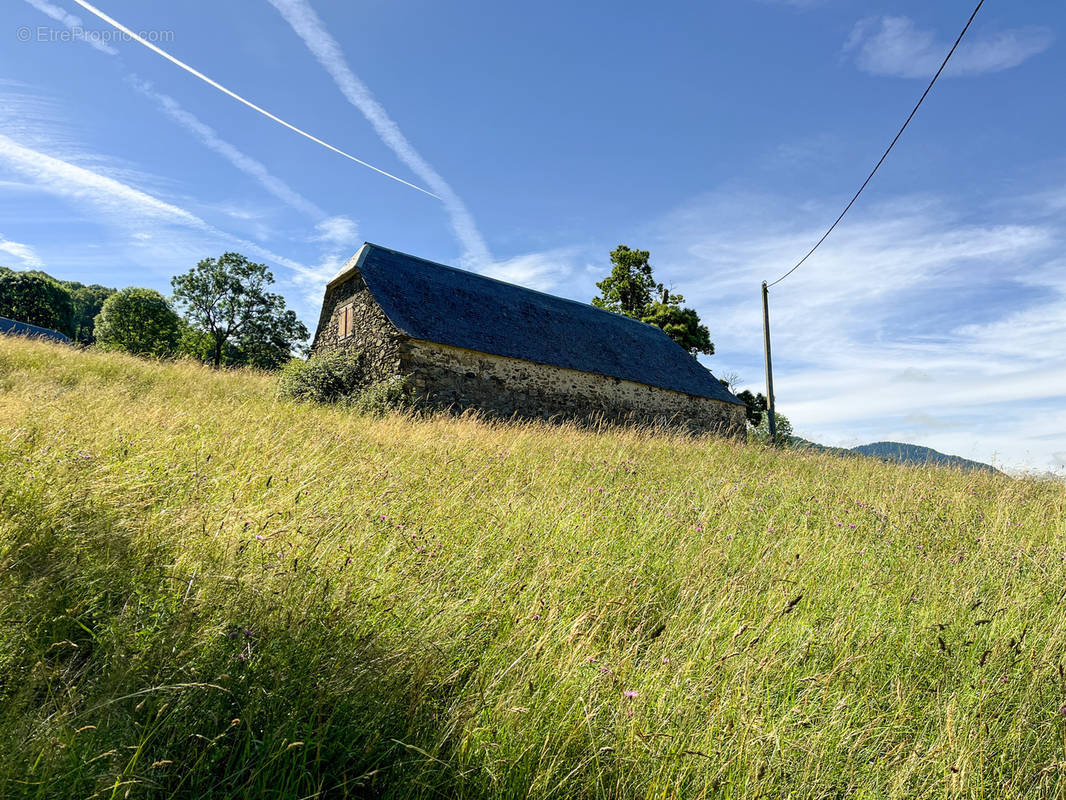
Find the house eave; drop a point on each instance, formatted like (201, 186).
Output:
(351, 266)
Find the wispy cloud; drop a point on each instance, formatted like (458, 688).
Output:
(542, 271)
(339, 231)
(203, 132)
(310, 28)
(23, 252)
(895, 46)
(72, 22)
(914, 322)
(126, 205)
(106, 194)
(199, 129)
(338, 236)
(136, 37)
(146, 217)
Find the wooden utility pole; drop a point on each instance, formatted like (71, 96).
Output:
(769, 363)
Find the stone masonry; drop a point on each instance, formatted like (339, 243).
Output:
(452, 377)
(371, 332)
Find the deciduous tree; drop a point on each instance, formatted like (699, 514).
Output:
(755, 406)
(138, 321)
(88, 302)
(761, 432)
(36, 298)
(227, 298)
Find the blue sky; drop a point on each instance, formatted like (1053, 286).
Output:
(723, 137)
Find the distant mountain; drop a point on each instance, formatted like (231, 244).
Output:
(901, 453)
(916, 454)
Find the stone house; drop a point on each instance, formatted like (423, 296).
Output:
(463, 341)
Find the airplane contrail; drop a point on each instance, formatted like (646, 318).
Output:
(309, 27)
(178, 62)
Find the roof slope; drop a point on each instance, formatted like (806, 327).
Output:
(436, 303)
(16, 328)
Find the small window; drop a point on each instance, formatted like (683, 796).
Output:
(345, 321)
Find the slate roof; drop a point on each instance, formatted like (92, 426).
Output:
(15, 328)
(436, 303)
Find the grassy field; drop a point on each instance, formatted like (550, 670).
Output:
(207, 592)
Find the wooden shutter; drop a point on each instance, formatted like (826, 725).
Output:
(345, 322)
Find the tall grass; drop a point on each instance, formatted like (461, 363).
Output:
(208, 592)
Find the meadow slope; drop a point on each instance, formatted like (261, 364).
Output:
(208, 592)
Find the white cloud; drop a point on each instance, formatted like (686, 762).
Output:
(339, 236)
(147, 219)
(339, 231)
(309, 27)
(73, 23)
(23, 252)
(149, 223)
(911, 323)
(159, 234)
(541, 271)
(110, 196)
(895, 46)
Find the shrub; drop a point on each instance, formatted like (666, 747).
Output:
(383, 396)
(340, 376)
(329, 377)
(761, 432)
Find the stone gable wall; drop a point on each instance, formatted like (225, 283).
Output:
(452, 377)
(372, 333)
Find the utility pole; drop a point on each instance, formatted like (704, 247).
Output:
(769, 363)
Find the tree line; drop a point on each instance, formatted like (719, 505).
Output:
(221, 312)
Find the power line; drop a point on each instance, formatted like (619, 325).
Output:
(178, 62)
(914, 111)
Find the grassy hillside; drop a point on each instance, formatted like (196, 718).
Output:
(206, 592)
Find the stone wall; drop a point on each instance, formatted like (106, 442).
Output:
(372, 333)
(452, 377)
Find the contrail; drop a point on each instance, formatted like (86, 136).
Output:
(245, 163)
(207, 136)
(178, 62)
(309, 27)
(72, 22)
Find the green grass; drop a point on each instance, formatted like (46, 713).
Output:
(208, 592)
